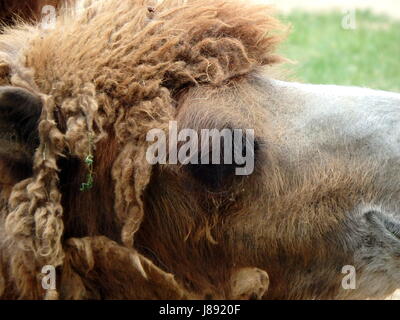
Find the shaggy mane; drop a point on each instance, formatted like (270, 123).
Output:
(113, 70)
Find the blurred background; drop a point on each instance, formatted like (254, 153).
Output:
(348, 42)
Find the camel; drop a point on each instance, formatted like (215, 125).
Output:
(316, 218)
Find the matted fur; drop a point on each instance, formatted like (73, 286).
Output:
(108, 74)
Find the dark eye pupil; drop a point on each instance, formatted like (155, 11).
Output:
(216, 177)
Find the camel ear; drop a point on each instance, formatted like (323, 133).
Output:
(19, 114)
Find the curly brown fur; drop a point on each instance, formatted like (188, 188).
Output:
(125, 70)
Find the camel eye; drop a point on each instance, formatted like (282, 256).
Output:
(218, 166)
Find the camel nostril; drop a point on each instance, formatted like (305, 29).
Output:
(383, 224)
(393, 227)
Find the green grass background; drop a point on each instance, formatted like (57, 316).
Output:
(325, 52)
